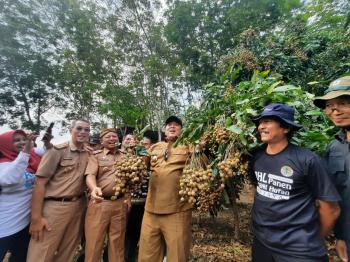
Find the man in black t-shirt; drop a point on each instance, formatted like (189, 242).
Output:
(287, 225)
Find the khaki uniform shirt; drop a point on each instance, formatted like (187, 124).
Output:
(164, 185)
(102, 165)
(64, 166)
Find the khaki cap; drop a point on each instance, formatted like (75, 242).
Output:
(339, 87)
(105, 131)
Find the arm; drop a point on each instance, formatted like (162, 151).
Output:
(11, 172)
(96, 192)
(91, 172)
(38, 223)
(328, 213)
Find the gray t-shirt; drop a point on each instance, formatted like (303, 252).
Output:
(285, 218)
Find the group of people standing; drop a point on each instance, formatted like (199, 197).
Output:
(50, 196)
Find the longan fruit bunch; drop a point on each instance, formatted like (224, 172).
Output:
(129, 174)
(221, 134)
(210, 196)
(193, 181)
(232, 164)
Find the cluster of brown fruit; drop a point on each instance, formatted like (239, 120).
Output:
(198, 185)
(129, 174)
(221, 134)
(229, 91)
(210, 196)
(193, 181)
(232, 164)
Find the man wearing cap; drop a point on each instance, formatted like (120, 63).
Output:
(106, 214)
(336, 105)
(287, 225)
(167, 220)
(58, 202)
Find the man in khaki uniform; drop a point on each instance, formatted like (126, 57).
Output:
(167, 220)
(106, 214)
(58, 203)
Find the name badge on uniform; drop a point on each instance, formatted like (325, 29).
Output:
(68, 158)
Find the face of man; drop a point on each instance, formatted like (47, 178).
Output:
(271, 131)
(338, 110)
(172, 131)
(146, 142)
(19, 141)
(80, 132)
(109, 140)
(129, 141)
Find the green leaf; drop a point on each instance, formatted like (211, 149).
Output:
(285, 88)
(235, 129)
(251, 111)
(228, 121)
(314, 113)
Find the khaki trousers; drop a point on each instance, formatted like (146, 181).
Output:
(61, 243)
(173, 229)
(106, 217)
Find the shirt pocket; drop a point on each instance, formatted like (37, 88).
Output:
(68, 165)
(156, 156)
(180, 156)
(105, 166)
(336, 164)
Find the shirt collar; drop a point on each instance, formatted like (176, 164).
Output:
(73, 147)
(106, 151)
(341, 136)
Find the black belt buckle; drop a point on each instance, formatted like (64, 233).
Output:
(64, 199)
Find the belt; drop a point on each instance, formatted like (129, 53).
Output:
(64, 199)
(113, 197)
(138, 201)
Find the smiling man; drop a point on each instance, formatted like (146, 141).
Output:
(167, 221)
(58, 202)
(336, 105)
(106, 214)
(287, 225)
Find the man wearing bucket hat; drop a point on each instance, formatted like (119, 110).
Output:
(166, 221)
(336, 105)
(287, 225)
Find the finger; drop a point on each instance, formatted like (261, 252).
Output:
(35, 236)
(40, 235)
(47, 226)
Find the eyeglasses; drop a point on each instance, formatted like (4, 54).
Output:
(80, 129)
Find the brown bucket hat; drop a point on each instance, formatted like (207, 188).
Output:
(339, 87)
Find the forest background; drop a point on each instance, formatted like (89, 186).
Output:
(134, 62)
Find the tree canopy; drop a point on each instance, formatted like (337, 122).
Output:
(128, 62)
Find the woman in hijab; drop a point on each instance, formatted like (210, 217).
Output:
(18, 164)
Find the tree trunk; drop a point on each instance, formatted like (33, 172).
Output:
(234, 208)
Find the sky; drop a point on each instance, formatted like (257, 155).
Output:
(60, 134)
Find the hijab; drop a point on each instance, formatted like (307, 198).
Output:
(8, 154)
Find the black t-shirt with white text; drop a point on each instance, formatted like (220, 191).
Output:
(285, 218)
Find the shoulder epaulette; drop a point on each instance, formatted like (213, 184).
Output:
(97, 151)
(61, 146)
